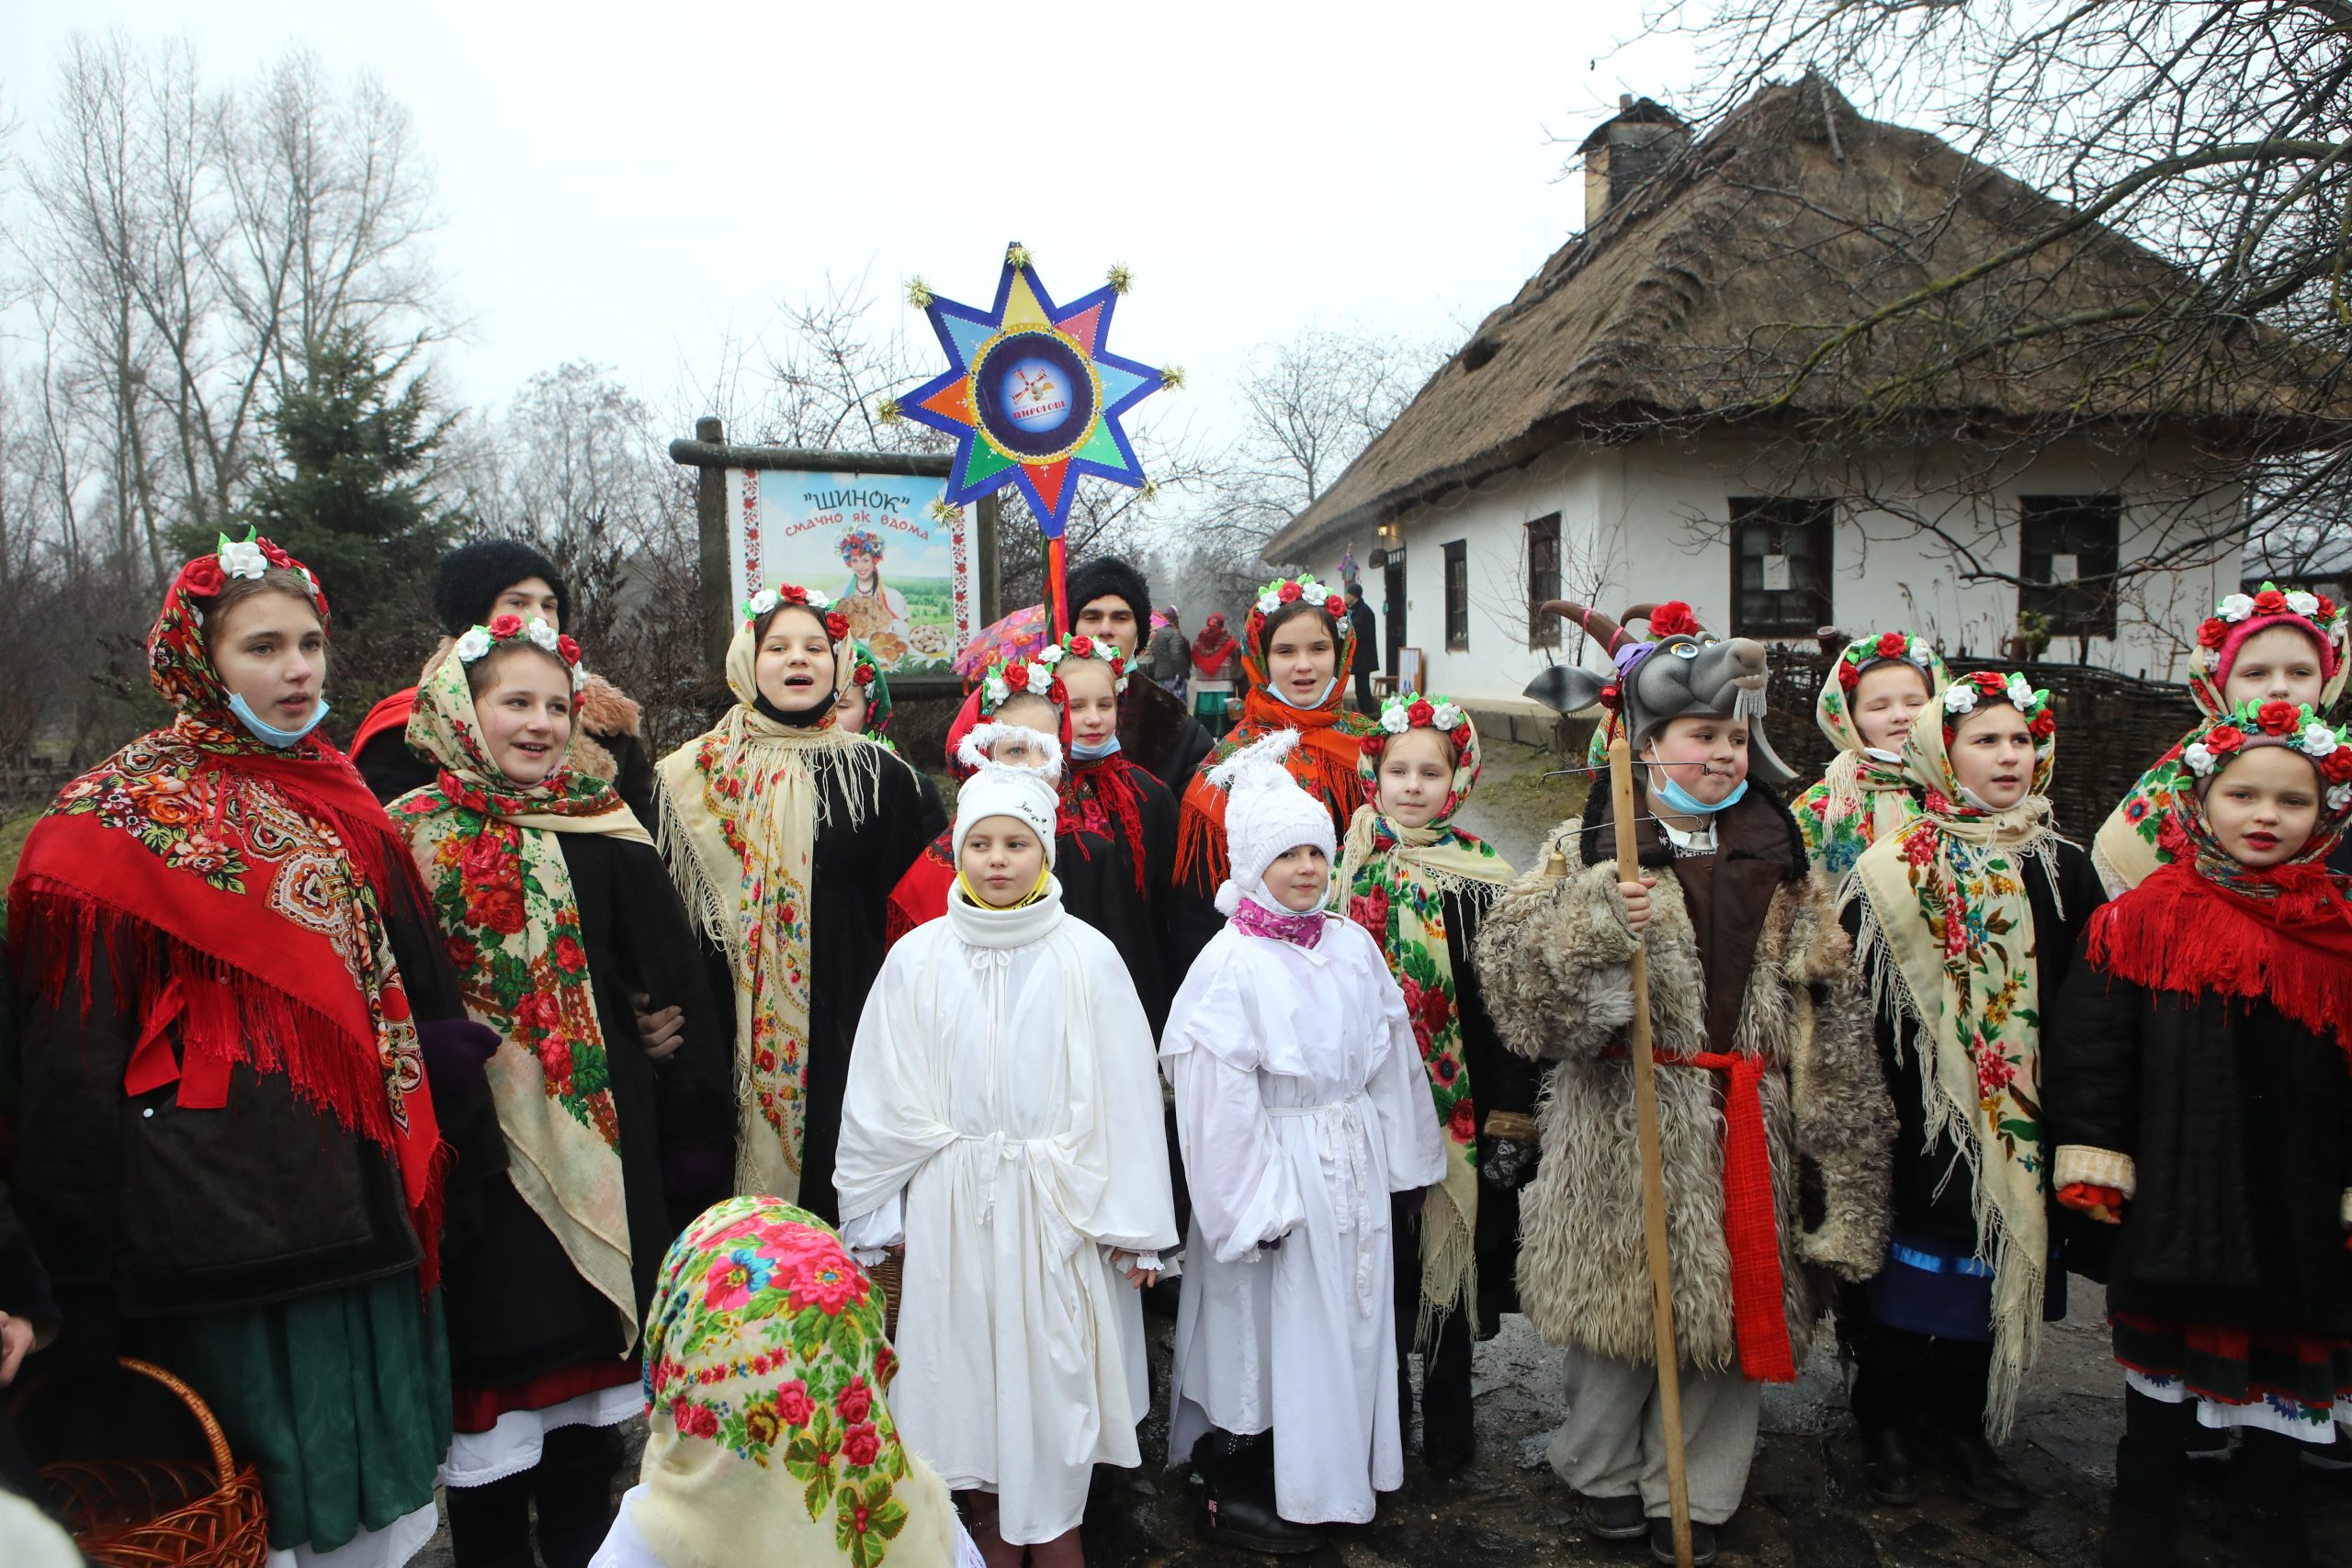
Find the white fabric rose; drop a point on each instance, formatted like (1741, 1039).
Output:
(2199, 760)
(2234, 607)
(1393, 719)
(760, 603)
(818, 601)
(472, 645)
(244, 559)
(1269, 602)
(998, 691)
(1961, 699)
(539, 632)
(2020, 694)
(1448, 717)
(1050, 654)
(2339, 796)
(2303, 604)
(2318, 740)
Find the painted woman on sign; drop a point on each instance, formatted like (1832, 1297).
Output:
(875, 611)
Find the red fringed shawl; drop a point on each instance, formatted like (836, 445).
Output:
(1330, 744)
(2183, 932)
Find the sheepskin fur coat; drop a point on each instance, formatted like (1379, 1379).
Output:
(1554, 958)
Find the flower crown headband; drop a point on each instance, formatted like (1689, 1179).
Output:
(250, 558)
(2234, 609)
(862, 673)
(768, 599)
(1410, 710)
(508, 630)
(1009, 678)
(1282, 590)
(2293, 726)
(1964, 695)
(1081, 646)
(862, 541)
(1911, 650)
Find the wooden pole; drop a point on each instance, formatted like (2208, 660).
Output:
(717, 609)
(1645, 1061)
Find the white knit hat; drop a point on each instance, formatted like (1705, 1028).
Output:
(997, 790)
(1267, 815)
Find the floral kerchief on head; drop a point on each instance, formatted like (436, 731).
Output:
(864, 672)
(765, 1375)
(1861, 795)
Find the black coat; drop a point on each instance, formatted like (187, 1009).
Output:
(1932, 1194)
(516, 1307)
(852, 872)
(1159, 732)
(158, 1210)
(1500, 1079)
(2239, 1122)
(24, 1292)
(1367, 635)
(1098, 878)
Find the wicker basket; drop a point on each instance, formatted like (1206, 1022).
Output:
(165, 1513)
(888, 1276)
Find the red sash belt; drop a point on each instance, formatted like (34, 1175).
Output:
(1751, 1219)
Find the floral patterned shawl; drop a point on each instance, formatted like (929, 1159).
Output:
(741, 807)
(1860, 797)
(765, 1375)
(1395, 880)
(866, 675)
(503, 899)
(2129, 844)
(1947, 942)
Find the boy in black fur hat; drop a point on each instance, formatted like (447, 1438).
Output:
(476, 582)
(1109, 599)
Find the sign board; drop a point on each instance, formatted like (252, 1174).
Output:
(1775, 574)
(879, 545)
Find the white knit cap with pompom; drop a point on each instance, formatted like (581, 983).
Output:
(1267, 815)
(997, 790)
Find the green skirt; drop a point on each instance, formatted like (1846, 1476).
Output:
(340, 1399)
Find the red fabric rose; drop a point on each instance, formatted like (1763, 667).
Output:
(863, 1446)
(1435, 1010)
(503, 627)
(1058, 693)
(693, 1420)
(2327, 611)
(569, 956)
(488, 862)
(854, 1401)
(1920, 848)
(500, 909)
(2044, 724)
(1335, 606)
(1849, 676)
(1462, 1125)
(1420, 713)
(792, 1403)
(863, 675)
(203, 577)
(2213, 633)
(1990, 683)
(1084, 646)
(1892, 645)
(1288, 594)
(836, 624)
(2337, 765)
(790, 594)
(1016, 676)
(555, 1060)
(2277, 717)
(1673, 618)
(275, 556)
(463, 952)
(1370, 744)
(2224, 738)
(568, 648)
(2270, 602)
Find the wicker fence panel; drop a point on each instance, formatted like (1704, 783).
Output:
(2110, 726)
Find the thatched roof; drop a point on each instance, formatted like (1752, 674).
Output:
(1697, 296)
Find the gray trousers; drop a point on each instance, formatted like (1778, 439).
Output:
(1613, 1442)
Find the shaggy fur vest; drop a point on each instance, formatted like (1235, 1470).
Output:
(1553, 957)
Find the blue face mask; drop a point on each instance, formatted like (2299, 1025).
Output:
(269, 734)
(1082, 752)
(1674, 797)
(1310, 706)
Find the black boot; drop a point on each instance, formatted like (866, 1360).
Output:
(1237, 1490)
(1889, 1468)
(1449, 1433)
(573, 1489)
(490, 1526)
(2269, 1477)
(2151, 1469)
(1983, 1478)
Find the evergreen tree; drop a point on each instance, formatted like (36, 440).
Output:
(350, 497)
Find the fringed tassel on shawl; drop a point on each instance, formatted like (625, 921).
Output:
(1448, 1266)
(711, 912)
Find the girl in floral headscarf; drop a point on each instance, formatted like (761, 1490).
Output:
(785, 835)
(1419, 885)
(2203, 1105)
(556, 911)
(1297, 646)
(224, 966)
(1876, 687)
(1965, 919)
(2278, 645)
(768, 1379)
(863, 705)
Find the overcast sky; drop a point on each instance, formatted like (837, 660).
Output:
(621, 182)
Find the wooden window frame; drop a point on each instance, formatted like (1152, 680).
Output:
(1815, 517)
(2093, 526)
(1457, 595)
(1543, 630)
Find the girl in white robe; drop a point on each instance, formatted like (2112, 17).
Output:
(1003, 1124)
(1301, 1104)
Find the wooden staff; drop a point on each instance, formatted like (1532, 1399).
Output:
(1669, 1367)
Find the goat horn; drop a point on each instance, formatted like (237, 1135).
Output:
(1594, 625)
(1638, 613)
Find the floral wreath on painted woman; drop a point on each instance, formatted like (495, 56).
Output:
(767, 599)
(861, 541)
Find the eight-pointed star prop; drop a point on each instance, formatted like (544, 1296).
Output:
(1033, 398)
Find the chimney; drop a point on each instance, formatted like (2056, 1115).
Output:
(1629, 147)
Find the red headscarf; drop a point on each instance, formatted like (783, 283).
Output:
(238, 892)
(1213, 651)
